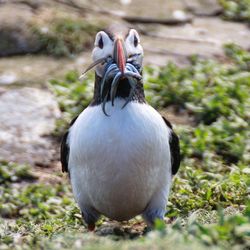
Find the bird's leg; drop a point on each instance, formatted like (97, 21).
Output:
(90, 217)
(150, 215)
(156, 208)
(91, 227)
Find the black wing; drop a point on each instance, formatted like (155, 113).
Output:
(65, 149)
(174, 148)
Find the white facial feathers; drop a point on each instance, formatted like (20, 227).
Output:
(132, 43)
(104, 48)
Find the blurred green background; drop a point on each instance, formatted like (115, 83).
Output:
(197, 74)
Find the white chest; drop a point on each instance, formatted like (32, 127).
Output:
(120, 160)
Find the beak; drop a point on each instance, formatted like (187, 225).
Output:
(120, 54)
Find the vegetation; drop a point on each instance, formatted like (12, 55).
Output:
(65, 36)
(236, 10)
(41, 216)
(73, 96)
(215, 150)
(209, 207)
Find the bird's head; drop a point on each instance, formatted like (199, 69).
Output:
(120, 45)
(117, 58)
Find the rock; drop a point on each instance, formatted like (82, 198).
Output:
(157, 9)
(27, 119)
(8, 78)
(38, 69)
(204, 7)
(15, 35)
(204, 37)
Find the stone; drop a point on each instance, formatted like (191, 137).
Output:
(8, 78)
(204, 37)
(204, 7)
(15, 34)
(158, 9)
(37, 70)
(27, 119)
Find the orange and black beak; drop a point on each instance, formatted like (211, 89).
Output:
(120, 54)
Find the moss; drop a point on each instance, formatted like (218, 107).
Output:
(236, 10)
(65, 36)
(12, 172)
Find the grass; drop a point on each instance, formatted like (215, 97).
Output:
(209, 206)
(73, 96)
(65, 36)
(35, 216)
(236, 10)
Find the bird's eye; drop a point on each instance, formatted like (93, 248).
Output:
(100, 43)
(135, 41)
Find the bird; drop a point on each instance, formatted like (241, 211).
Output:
(120, 153)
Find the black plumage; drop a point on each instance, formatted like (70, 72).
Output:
(174, 148)
(64, 154)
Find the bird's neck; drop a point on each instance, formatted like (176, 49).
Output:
(123, 91)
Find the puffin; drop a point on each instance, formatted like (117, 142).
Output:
(120, 153)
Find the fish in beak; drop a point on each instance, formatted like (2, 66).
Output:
(117, 57)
